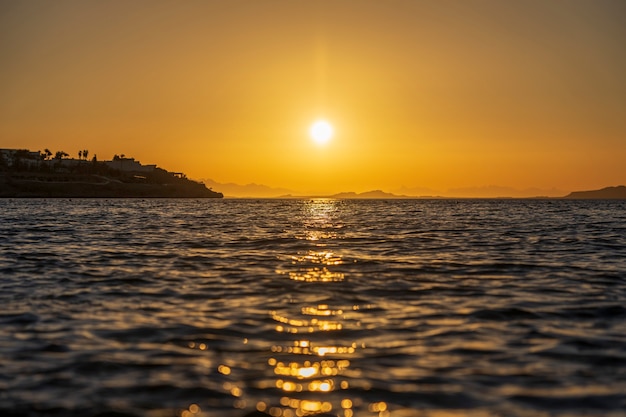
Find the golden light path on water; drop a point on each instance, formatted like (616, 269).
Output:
(313, 366)
(310, 362)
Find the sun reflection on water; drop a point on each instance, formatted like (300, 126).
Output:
(318, 257)
(320, 310)
(319, 235)
(314, 370)
(307, 348)
(316, 274)
(192, 411)
(309, 368)
(315, 266)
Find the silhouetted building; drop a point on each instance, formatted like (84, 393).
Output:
(129, 165)
(11, 156)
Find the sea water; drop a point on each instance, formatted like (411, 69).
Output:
(289, 308)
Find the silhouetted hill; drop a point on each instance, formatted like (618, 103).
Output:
(94, 186)
(34, 174)
(612, 193)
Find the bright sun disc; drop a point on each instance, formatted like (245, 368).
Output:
(321, 132)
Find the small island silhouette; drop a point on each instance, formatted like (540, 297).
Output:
(25, 173)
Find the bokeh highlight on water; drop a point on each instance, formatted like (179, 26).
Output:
(299, 307)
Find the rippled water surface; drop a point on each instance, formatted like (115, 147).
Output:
(296, 307)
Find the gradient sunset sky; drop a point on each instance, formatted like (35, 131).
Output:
(424, 96)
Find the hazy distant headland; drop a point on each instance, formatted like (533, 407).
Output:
(25, 173)
(608, 193)
(232, 190)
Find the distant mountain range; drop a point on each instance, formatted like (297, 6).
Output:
(252, 190)
(246, 191)
(262, 191)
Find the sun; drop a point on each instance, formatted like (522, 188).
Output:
(321, 132)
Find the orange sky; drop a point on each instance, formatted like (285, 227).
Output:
(423, 95)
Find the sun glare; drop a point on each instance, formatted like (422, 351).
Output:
(321, 132)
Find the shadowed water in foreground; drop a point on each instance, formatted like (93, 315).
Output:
(300, 307)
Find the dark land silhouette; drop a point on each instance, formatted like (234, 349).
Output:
(607, 193)
(36, 174)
